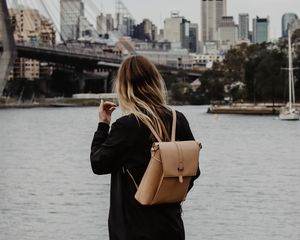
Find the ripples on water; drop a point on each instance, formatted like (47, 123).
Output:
(249, 187)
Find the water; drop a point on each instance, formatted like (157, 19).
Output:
(249, 187)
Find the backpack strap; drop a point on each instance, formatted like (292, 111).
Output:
(173, 135)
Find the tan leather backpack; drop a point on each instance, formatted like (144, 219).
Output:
(169, 172)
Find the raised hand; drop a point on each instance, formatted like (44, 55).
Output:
(105, 111)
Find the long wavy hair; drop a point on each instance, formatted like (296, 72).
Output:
(141, 91)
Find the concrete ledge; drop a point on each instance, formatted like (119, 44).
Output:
(247, 109)
(95, 96)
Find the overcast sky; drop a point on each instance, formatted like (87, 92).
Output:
(158, 10)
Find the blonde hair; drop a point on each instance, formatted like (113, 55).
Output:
(141, 91)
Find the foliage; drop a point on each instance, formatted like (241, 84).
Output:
(259, 67)
(179, 90)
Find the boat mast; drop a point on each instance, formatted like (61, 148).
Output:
(291, 98)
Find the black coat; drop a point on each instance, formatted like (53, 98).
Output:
(127, 145)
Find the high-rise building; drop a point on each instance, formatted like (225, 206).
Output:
(212, 13)
(227, 31)
(176, 30)
(194, 39)
(145, 31)
(30, 27)
(101, 24)
(287, 18)
(109, 22)
(124, 20)
(70, 12)
(105, 23)
(261, 30)
(243, 26)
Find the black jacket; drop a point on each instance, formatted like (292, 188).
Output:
(127, 145)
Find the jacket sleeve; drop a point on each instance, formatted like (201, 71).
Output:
(108, 147)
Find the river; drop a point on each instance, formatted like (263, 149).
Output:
(249, 187)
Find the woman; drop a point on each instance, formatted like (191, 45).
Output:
(141, 95)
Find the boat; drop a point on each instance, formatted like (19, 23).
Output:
(290, 112)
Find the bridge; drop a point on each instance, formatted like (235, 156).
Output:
(66, 56)
(61, 54)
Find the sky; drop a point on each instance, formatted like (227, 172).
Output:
(158, 10)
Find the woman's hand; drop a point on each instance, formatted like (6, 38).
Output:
(105, 111)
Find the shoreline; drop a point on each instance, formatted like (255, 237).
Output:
(248, 109)
(240, 108)
(51, 102)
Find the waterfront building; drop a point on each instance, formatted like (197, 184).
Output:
(227, 32)
(30, 27)
(211, 48)
(212, 12)
(261, 30)
(152, 46)
(287, 19)
(177, 31)
(204, 59)
(70, 12)
(176, 58)
(243, 26)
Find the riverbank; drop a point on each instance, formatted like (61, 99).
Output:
(247, 108)
(88, 100)
(51, 102)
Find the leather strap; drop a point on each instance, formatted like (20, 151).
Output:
(173, 133)
(173, 126)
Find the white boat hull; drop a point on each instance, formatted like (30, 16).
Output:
(289, 115)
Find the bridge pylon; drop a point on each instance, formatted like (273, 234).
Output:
(9, 53)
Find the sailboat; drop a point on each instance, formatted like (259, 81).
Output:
(290, 112)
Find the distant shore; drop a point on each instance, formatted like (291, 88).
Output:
(85, 101)
(51, 102)
(248, 109)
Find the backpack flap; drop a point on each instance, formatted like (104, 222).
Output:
(179, 159)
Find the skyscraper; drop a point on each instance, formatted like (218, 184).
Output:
(194, 32)
(261, 30)
(244, 26)
(104, 23)
(287, 18)
(124, 20)
(70, 11)
(212, 13)
(176, 30)
(227, 31)
(145, 31)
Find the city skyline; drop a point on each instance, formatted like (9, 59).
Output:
(192, 11)
(157, 11)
